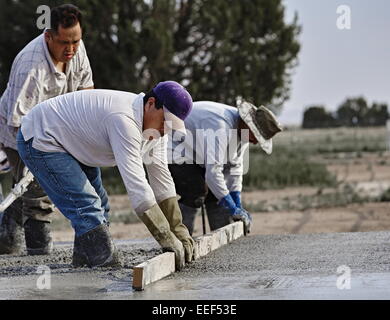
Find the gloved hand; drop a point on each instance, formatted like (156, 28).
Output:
(245, 217)
(238, 214)
(228, 203)
(159, 227)
(236, 196)
(170, 208)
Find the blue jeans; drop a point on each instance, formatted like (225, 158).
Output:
(75, 188)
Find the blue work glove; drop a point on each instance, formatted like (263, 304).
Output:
(236, 196)
(228, 203)
(238, 214)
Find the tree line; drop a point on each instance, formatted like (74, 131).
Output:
(352, 112)
(218, 49)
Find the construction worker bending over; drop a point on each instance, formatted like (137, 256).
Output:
(52, 64)
(64, 140)
(208, 165)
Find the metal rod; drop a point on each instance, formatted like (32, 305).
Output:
(203, 218)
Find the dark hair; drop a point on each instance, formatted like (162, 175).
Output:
(151, 94)
(66, 16)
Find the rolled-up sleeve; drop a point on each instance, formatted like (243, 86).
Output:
(126, 140)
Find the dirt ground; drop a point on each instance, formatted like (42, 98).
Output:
(351, 218)
(368, 169)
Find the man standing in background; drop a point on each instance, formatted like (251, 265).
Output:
(52, 64)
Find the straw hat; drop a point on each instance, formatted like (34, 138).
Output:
(261, 121)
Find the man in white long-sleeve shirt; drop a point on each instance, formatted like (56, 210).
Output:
(64, 140)
(208, 165)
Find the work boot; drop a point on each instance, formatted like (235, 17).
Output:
(159, 227)
(95, 249)
(189, 214)
(38, 238)
(79, 259)
(11, 233)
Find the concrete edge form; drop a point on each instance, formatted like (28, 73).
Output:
(216, 239)
(164, 264)
(153, 270)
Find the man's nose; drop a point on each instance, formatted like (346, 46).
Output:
(70, 48)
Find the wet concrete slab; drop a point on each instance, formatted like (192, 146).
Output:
(254, 287)
(53, 277)
(316, 266)
(251, 287)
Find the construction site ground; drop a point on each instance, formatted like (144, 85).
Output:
(293, 252)
(307, 266)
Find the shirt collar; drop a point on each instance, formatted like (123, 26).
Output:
(47, 55)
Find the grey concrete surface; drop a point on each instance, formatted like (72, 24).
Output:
(255, 267)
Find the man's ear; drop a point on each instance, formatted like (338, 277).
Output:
(151, 103)
(48, 36)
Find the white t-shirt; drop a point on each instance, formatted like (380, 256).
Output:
(104, 128)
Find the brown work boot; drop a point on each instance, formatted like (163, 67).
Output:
(95, 249)
(79, 258)
(38, 238)
(11, 234)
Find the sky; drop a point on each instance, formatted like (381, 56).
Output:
(337, 64)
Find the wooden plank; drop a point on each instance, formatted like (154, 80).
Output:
(237, 230)
(216, 239)
(234, 231)
(203, 245)
(164, 264)
(153, 270)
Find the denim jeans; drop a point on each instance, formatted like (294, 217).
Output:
(76, 189)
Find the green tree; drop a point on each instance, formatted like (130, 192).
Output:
(356, 111)
(219, 49)
(352, 112)
(317, 117)
(228, 48)
(17, 28)
(377, 115)
(112, 31)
